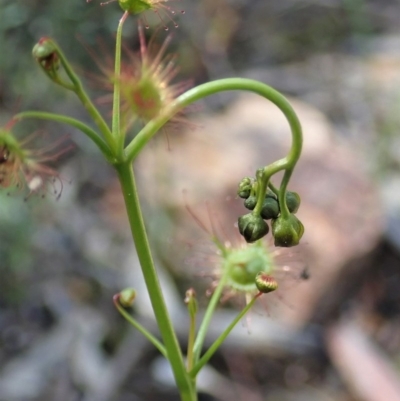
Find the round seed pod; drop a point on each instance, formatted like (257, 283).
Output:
(293, 201)
(270, 208)
(250, 202)
(252, 227)
(287, 232)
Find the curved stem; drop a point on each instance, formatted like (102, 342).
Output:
(174, 353)
(217, 343)
(139, 327)
(201, 91)
(273, 188)
(89, 132)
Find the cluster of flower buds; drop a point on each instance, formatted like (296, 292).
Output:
(287, 230)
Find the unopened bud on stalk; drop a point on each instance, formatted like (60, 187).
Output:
(245, 187)
(250, 202)
(127, 297)
(45, 53)
(288, 231)
(270, 208)
(252, 227)
(293, 201)
(265, 283)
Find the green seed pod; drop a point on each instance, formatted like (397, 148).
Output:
(250, 202)
(126, 297)
(265, 283)
(287, 232)
(135, 6)
(293, 201)
(252, 227)
(270, 208)
(245, 187)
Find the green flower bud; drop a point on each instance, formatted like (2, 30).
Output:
(287, 232)
(252, 227)
(45, 53)
(270, 208)
(265, 283)
(250, 202)
(245, 187)
(126, 297)
(293, 201)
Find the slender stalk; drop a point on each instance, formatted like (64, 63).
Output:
(84, 98)
(191, 338)
(89, 132)
(96, 116)
(129, 190)
(273, 188)
(139, 327)
(201, 335)
(116, 123)
(217, 343)
(282, 193)
(262, 183)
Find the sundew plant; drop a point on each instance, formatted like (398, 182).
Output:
(143, 91)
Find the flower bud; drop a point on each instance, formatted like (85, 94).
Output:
(45, 53)
(288, 231)
(270, 208)
(245, 187)
(126, 297)
(265, 283)
(250, 202)
(252, 227)
(293, 201)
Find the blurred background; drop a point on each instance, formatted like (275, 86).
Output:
(332, 331)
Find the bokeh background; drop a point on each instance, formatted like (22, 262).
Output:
(334, 336)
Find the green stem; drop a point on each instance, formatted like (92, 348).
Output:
(84, 98)
(89, 132)
(174, 353)
(201, 91)
(273, 188)
(282, 193)
(217, 343)
(190, 347)
(139, 327)
(262, 184)
(116, 123)
(201, 335)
